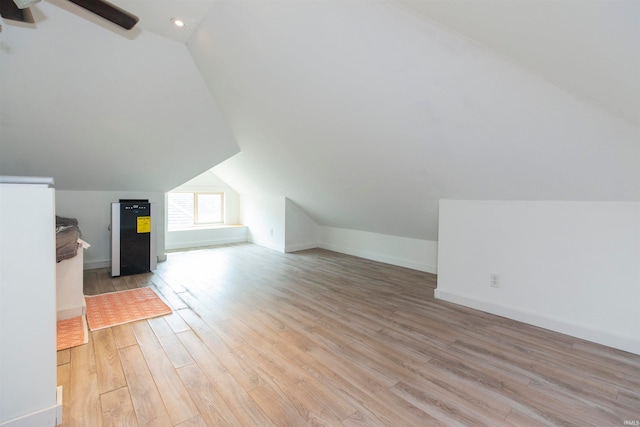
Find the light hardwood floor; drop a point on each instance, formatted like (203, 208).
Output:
(260, 338)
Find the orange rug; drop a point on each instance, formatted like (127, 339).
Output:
(116, 308)
(71, 333)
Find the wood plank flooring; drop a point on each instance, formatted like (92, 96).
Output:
(260, 338)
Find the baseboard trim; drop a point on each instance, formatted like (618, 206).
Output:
(301, 247)
(107, 264)
(268, 245)
(68, 313)
(202, 243)
(50, 416)
(96, 264)
(428, 268)
(59, 396)
(547, 322)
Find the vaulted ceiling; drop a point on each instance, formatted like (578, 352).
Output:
(99, 108)
(364, 113)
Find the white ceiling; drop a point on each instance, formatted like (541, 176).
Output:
(365, 116)
(156, 15)
(588, 47)
(363, 113)
(100, 108)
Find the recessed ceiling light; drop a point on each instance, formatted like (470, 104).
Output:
(178, 22)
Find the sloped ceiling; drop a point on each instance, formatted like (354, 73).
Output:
(365, 114)
(590, 48)
(99, 108)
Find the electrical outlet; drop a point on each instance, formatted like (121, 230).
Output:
(494, 280)
(271, 232)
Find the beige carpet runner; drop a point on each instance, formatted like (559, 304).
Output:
(117, 308)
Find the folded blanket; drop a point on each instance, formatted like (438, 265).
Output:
(67, 235)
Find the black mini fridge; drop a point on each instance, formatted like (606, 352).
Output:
(133, 237)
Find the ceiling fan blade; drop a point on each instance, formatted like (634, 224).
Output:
(109, 12)
(9, 10)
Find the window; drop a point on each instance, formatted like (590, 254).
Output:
(194, 209)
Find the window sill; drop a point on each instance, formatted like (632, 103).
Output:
(204, 227)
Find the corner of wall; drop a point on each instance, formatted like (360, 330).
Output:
(301, 231)
(264, 216)
(415, 254)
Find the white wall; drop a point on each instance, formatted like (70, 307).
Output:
(93, 211)
(294, 230)
(204, 182)
(572, 267)
(27, 306)
(402, 251)
(265, 217)
(301, 232)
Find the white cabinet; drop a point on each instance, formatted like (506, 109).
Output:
(28, 392)
(69, 287)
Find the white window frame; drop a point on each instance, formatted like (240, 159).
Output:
(195, 207)
(196, 222)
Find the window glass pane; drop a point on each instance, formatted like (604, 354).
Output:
(180, 210)
(209, 208)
